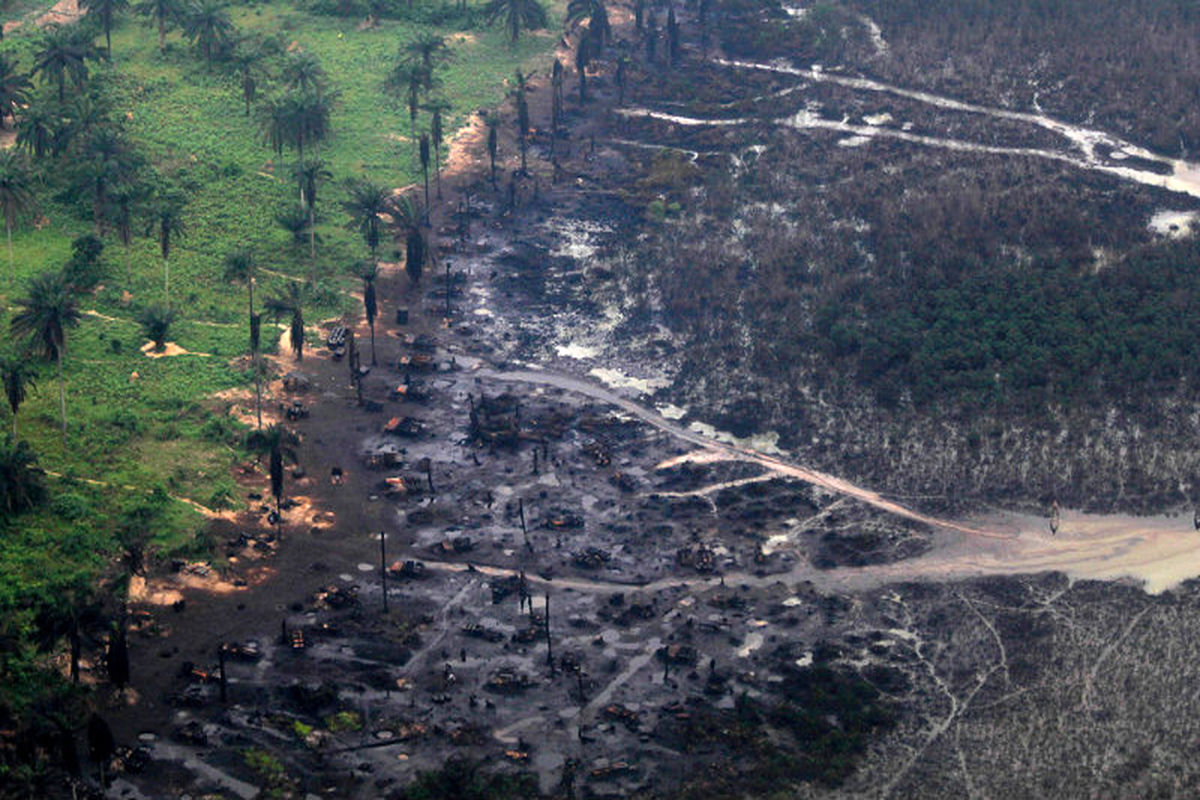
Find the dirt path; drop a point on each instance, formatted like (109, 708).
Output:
(64, 12)
(730, 452)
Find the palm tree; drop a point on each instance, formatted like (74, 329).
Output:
(429, 51)
(310, 175)
(556, 100)
(43, 317)
(493, 127)
(516, 15)
(292, 302)
(423, 149)
(104, 11)
(240, 268)
(596, 14)
(35, 131)
(14, 89)
(248, 63)
(207, 24)
(275, 122)
(367, 202)
(65, 51)
(299, 118)
(20, 479)
(168, 224)
(415, 254)
(437, 132)
(277, 442)
(107, 160)
(582, 57)
(408, 80)
(123, 203)
(302, 72)
(16, 197)
(295, 221)
(368, 271)
(17, 374)
(156, 322)
(87, 113)
(164, 14)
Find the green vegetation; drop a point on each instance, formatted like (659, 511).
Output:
(343, 721)
(155, 159)
(1027, 335)
(461, 779)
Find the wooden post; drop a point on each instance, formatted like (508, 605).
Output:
(383, 568)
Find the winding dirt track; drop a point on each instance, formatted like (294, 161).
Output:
(1157, 552)
(728, 452)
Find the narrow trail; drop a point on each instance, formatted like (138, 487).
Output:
(731, 452)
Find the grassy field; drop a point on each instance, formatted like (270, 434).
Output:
(154, 436)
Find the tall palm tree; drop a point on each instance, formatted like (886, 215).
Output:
(124, 202)
(275, 122)
(596, 14)
(239, 268)
(14, 88)
(583, 55)
(302, 71)
(35, 131)
(429, 50)
(248, 60)
(16, 197)
(294, 220)
(207, 24)
(408, 80)
(20, 479)
(104, 11)
(168, 224)
(310, 175)
(43, 317)
(516, 15)
(367, 202)
(298, 118)
(415, 254)
(369, 271)
(277, 442)
(556, 99)
(64, 53)
(292, 302)
(423, 149)
(165, 14)
(18, 376)
(437, 107)
(107, 160)
(407, 219)
(87, 113)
